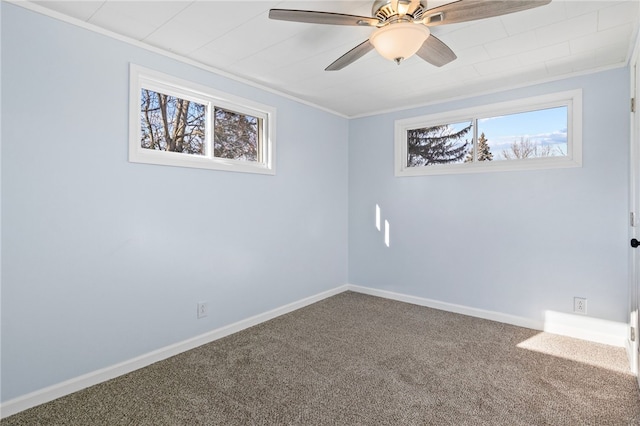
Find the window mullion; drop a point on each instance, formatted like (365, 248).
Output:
(209, 130)
(475, 140)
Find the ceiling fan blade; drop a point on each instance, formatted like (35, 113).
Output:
(351, 56)
(470, 10)
(314, 17)
(435, 52)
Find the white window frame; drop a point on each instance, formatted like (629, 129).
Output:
(571, 99)
(144, 78)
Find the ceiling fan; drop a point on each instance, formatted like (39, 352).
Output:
(402, 26)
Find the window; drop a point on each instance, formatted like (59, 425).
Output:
(178, 123)
(534, 133)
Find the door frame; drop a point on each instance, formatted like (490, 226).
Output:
(634, 209)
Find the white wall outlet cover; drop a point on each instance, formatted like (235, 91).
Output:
(203, 309)
(580, 305)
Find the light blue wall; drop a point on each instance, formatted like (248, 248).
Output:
(517, 243)
(104, 260)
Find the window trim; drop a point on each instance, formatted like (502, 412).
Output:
(572, 99)
(140, 77)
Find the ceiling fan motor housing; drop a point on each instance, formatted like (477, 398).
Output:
(384, 11)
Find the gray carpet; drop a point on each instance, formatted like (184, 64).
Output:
(354, 359)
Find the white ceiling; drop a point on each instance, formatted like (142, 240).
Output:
(562, 38)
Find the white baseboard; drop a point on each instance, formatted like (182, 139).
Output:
(586, 328)
(67, 387)
(450, 307)
(577, 326)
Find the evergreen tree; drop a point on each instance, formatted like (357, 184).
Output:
(436, 145)
(484, 151)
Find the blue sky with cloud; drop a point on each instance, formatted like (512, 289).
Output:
(547, 127)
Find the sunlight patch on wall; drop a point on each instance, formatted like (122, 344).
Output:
(386, 233)
(378, 223)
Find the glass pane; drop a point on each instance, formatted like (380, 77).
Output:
(442, 144)
(533, 134)
(236, 136)
(168, 123)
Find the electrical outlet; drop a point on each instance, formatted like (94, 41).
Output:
(203, 309)
(580, 305)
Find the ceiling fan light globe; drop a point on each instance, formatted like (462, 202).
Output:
(401, 40)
